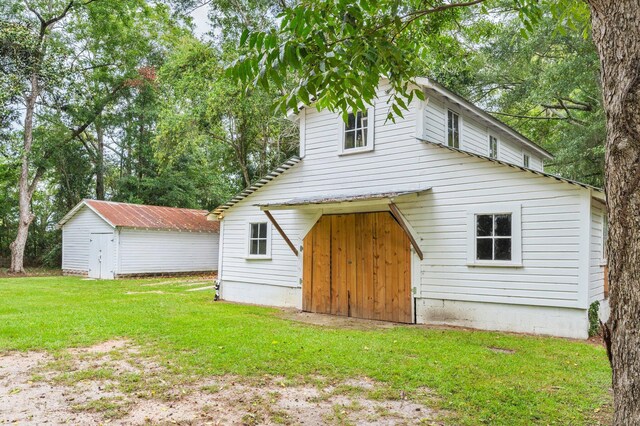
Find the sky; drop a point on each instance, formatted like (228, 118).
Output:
(201, 21)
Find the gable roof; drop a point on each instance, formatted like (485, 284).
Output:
(127, 215)
(599, 191)
(259, 184)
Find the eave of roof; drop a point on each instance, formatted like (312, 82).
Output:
(343, 198)
(598, 191)
(218, 212)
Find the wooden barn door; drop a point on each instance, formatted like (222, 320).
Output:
(358, 265)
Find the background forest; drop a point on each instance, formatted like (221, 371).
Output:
(135, 104)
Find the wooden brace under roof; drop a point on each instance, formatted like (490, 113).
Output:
(395, 212)
(281, 232)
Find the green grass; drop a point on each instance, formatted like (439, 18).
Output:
(545, 381)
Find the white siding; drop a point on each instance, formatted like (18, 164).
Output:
(475, 137)
(551, 212)
(75, 238)
(509, 152)
(536, 163)
(596, 268)
(150, 251)
(434, 121)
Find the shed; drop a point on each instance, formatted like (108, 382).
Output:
(104, 239)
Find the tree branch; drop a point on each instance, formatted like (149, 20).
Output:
(528, 117)
(60, 16)
(35, 12)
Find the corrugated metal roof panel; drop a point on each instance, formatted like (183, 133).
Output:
(253, 188)
(343, 198)
(128, 215)
(525, 169)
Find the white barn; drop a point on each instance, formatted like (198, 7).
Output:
(103, 239)
(444, 216)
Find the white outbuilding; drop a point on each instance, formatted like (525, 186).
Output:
(442, 216)
(104, 239)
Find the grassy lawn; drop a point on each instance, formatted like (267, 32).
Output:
(543, 381)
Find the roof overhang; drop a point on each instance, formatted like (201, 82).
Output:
(344, 200)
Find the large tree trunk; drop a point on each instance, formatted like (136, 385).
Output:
(25, 190)
(616, 33)
(99, 161)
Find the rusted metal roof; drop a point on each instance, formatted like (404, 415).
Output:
(342, 198)
(218, 212)
(126, 215)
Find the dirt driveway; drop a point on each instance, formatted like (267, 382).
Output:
(111, 383)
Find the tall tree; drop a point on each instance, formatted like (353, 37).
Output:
(81, 57)
(338, 50)
(34, 74)
(199, 114)
(545, 84)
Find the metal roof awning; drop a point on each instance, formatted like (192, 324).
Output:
(341, 199)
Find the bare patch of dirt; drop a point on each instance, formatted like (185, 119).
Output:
(111, 382)
(179, 283)
(501, 350)
(31, 272)
(335, 321)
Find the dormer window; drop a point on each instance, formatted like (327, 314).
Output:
(525, 160)
(357, 132)
(493, 147)
(453, 129)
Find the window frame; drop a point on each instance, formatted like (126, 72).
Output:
(526, 160)
(248, 240)
(446, 128)
(497, 142)
(370, 134)
(515, 210)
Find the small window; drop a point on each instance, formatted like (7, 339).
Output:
(453, 129)
(493, 237)
(357, 132)
(493, 147)
(525, 160)
(259, 239)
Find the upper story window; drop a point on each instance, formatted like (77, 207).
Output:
(357, 132)
(259, 242)
(493, 147)
(494, 236)
(525, 160)
(453, 129)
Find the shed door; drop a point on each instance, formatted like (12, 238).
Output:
(100, 256)
(358, 265)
